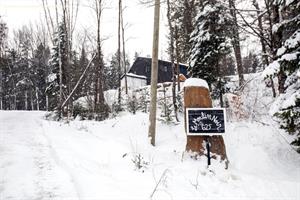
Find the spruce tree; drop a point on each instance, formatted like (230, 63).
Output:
(209, 41)
(58, 54)
(286, 67)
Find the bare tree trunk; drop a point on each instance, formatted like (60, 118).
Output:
(47, 102)
(236, 43)
(26, 102)
(60, 101)
(37, 98)
(154, 73)
(31, 101)
(124, 55)
(277, 41)
(177, 58)
(263, 44)
(1, 86)
(100, 107)
(171, 29)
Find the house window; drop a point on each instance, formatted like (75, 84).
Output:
(165, 68)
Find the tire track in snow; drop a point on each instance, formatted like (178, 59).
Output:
(60, 162)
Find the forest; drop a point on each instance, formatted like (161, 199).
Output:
(42, 68)
(78, 122)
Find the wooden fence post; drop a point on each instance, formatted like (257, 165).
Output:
(199, 97)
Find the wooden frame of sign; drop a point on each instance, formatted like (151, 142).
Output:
(205, 121)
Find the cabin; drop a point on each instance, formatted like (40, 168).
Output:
(139, 74)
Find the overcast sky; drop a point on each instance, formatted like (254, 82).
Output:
(139, 19)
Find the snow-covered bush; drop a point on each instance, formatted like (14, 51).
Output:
(132, 104)
(143, 99)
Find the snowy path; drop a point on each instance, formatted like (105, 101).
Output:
(28, 168)
(86, 160)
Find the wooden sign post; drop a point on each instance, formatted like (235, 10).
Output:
(197, 96)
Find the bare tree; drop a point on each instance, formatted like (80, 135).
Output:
(100, 106)
(68, 18)
(171, 52)
(265, 57)
(236, 42)
(124, 54)
(154, 73)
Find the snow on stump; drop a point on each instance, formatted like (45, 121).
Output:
(197, 95)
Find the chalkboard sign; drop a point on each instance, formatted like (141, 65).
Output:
(205, 121)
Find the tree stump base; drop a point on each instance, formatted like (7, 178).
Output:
(199, 97)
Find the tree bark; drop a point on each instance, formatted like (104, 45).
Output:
(236, 43)
(154, 73)
(100, 107)
(37, 98)
(276, 43)
(124, 55)
(171, 29)
(177, 58)
(265, 58)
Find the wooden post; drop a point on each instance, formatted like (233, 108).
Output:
(199, 97)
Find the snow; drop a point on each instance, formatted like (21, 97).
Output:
(136, 76)
(52, 77)
(197, 82)
(291, 100)
(293, 41)
(42, 159)
(272, 69)
(289, 56)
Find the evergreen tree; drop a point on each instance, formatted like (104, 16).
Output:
(209, 41)
(40, 72)
(251, 63)
(3, 61)
(85, 87)
(58, 56)
(182, 16)
(286, 67)
(144, 100)
(111, 74)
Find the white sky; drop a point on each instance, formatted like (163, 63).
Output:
(139, 18)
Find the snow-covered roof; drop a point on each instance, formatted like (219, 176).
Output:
(135, 76)
(197, 82)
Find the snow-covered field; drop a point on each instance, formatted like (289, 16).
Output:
(112, 159)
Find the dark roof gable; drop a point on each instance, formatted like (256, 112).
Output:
(142, 67)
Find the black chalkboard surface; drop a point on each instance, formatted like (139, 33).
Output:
(205, 121)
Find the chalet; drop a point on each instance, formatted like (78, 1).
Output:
(140, 72)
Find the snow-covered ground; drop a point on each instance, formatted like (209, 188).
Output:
(42, 159)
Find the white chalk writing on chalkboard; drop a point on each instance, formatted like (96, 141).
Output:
(198, 124)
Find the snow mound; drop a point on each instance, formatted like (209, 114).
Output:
(195, 82)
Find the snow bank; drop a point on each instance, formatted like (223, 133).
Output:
(195, 82)
(100, 160)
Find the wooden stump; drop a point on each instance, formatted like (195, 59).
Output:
(199, 97)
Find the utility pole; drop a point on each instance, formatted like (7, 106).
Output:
(154, 73)
(119, 53)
